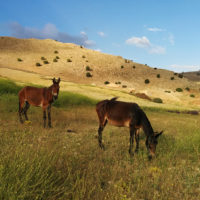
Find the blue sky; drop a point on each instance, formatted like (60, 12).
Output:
(160, 33)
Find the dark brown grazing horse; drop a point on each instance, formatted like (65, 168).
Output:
(120, 114)
(43, 97)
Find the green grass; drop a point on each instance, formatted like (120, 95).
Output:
(38, 163)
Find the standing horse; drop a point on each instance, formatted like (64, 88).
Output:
(130, 115)
(43, 97)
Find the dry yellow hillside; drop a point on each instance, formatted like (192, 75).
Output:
(122, 74)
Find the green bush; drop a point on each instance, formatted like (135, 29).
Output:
(87, 68)
(69, 60)
(180, 75)
(43, 58)
(117, 83)
(158, 75)
(147, 81)
(83, 56)
(38, 64)
(19, 60)
(187, 88)
(46, 62)
(192, 95)
(88, 74)
(55, 60)
(179, 89)
(172, 78)
(106, 82)
(124, 86)
(134, 66)
(57, 57)
(55, 51)
(157, 100)
(122, 66)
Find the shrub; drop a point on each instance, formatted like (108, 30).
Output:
(198, 73)
(179, 89)
(88, 68)
(38, 64)
(69, 60)
(157, 100)
(106, 82)
(117, 83)
(19, 60)
(126, 61)
(192, 95)
(55, 60)
(187, 88)
(172, 78)
(43, 58)
(46, 62)
(180, 75)
(81, 46)
(83, 56)
(122, 66)
(175, 74)
(158, 75)
(167, 91)
(124, 86)
(88, 74)
(134, 66)
(155, 68)
(56, 51)
(147, 81)
(57, 57)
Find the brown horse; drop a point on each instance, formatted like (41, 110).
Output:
(43, 97)
(130, 115)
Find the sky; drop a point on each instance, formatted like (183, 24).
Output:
(160, 33)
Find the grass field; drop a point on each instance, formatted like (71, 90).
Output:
(51, 164)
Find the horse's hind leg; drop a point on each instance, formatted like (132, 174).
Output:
(21, 104)
(132, 132)
(44, 117)
(100, 130)
(27, 105)
(137, 140)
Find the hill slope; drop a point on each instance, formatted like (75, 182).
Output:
(73, 62)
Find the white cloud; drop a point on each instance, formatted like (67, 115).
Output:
(155, 29)
(49, 31)
(171, 39)
(157, 50)
(102, 34)
(184, 68)
(144, 42)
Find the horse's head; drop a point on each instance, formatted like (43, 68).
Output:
(153, 141)
(55, 88)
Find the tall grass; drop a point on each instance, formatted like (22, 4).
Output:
(38, 163)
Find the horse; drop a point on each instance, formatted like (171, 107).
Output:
(124, 114)
(42, 97)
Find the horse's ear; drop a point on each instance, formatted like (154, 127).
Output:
(58, 81)
(54, 80)
(157, 135)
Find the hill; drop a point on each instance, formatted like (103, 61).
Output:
(22, 58)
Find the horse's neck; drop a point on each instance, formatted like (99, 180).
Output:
(147, 126)
(49, 91)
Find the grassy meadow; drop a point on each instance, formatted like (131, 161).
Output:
(58, 164)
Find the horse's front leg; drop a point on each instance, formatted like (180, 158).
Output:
(49, 116)
(44, 116)
(132, 132)
(148, 151)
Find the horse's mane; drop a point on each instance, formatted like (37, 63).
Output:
(114, 99)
